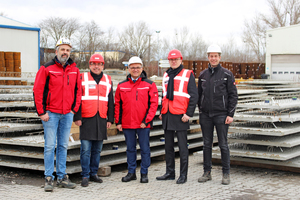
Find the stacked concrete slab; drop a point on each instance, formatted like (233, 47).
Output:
(22, 141)
(266, 128)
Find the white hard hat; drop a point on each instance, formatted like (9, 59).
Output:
(62, 41)
(135, 59)
(214, 49)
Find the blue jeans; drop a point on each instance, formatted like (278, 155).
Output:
(130, 138)
(57, 128)
(90, 157)
(207, 125)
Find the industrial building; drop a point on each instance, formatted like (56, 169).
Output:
(19, 37)
(283, 53)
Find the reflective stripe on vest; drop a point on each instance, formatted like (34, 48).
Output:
(181, 99)
(95, 96)
(183, 78)
(86, 83)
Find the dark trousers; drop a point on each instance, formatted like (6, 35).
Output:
(183, 151)
(130, 138)
(207, 125)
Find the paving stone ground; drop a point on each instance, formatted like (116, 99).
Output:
(246, 183)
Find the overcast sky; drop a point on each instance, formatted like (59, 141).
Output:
(215, 20)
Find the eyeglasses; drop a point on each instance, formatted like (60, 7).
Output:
(96, 64)
(133, 68)
(174, 59)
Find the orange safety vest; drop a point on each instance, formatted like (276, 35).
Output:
(95, 96)
(181, 99)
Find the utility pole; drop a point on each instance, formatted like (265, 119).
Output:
(149, 50)
(158, 48)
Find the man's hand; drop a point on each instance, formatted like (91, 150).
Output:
(143, 125)
(119, 127)
(78, 122)
(72, 112)
(160, 117)
(228, 120)
(45, 117)
(185, 118)
(108, 124)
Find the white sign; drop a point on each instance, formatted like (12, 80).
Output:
(164, 65)
(163, 61)
(125, 63)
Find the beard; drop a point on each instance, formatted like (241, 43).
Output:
(62, 59)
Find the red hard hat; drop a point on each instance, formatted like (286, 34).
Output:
(174, 54)
(96, 58)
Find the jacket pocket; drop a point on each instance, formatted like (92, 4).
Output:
(220, 87)
(71, 78)
(142, 94)
(125, 94)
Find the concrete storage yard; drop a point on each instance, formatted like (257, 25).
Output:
(263, 135)
(265, 132)
(22, 142)
(265, 129)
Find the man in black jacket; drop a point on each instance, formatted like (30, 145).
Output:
(178, 105)
(217, 102)
(95, 116)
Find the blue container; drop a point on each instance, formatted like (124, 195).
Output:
(115, 147)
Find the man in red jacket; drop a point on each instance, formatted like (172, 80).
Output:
(136, 102)
(57, 96)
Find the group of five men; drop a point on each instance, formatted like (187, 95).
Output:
(63, 95)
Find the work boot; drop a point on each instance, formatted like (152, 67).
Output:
(85, 182)
(65, 182)
(96, 178)
(205, 177)
(48, 184)
(225, 179)
(166, 176)
(144, 178)
(129, 177)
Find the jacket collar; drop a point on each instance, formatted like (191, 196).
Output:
(69, 62)
(213, 69)
(142, 76)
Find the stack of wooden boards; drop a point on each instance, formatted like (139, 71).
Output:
(10, 66)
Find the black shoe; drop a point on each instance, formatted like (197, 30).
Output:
(48, 184)
(181, 180)
(129, 177)
(96, 178)
(85, 182)
(144, 178)
(166, 176)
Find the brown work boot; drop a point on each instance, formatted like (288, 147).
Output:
(48, 184)
(226, 179)
(205, 177)
(65, 182)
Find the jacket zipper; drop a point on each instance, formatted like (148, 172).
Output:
(68, 79)
(224, 101)
(136, 95)
(97, 98)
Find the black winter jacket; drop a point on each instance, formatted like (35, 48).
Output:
(217, 92)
